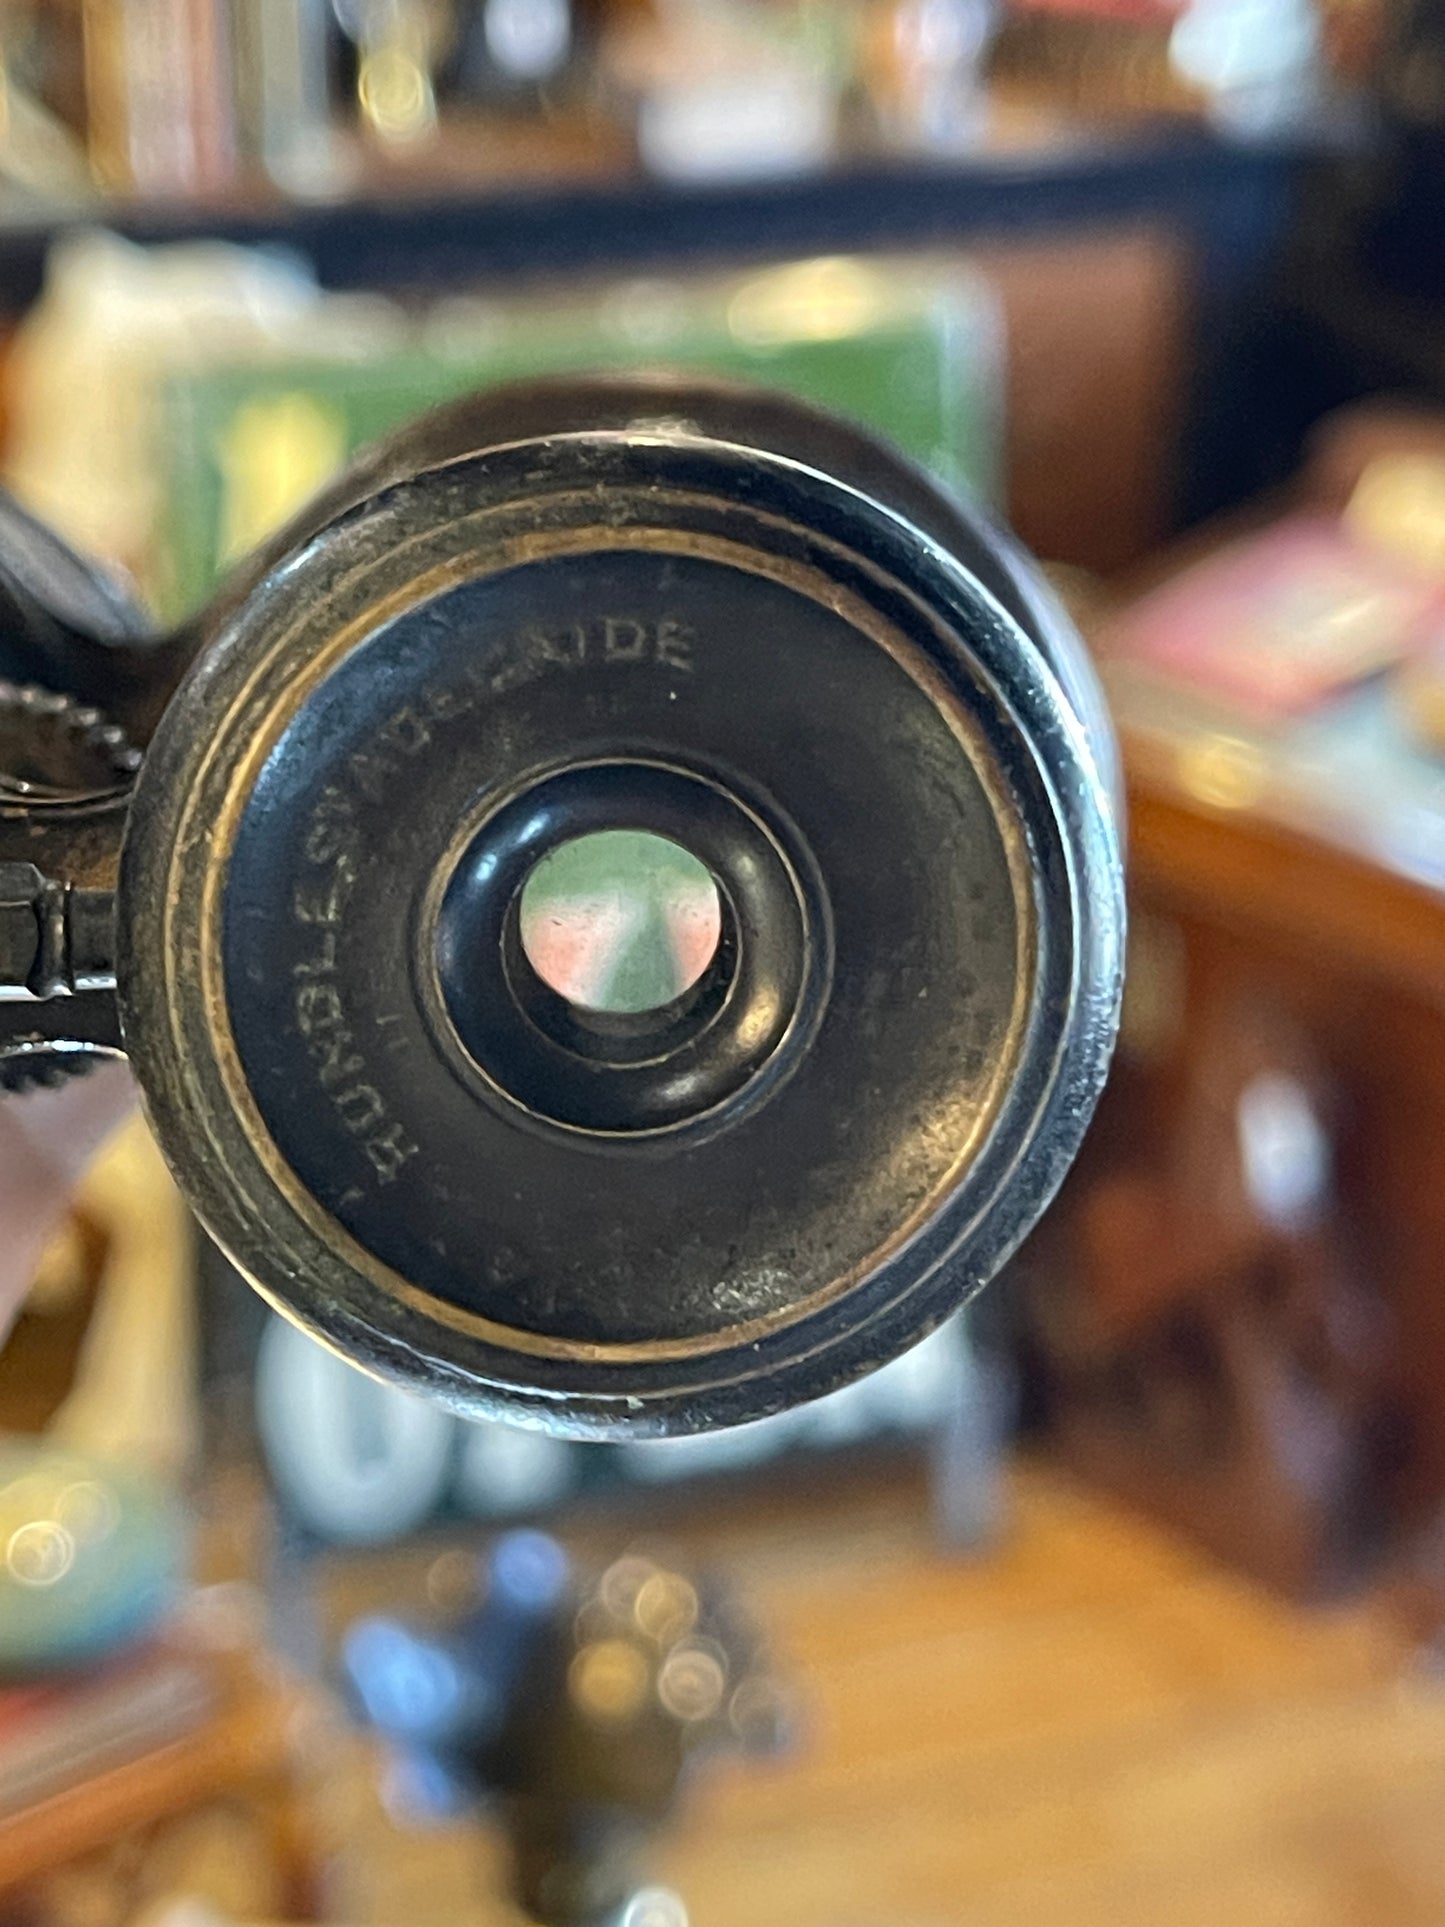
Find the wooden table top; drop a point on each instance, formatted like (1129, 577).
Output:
(1090, 1724)
(1240, 864)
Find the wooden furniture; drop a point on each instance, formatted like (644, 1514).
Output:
(1268, 1371)
(1277, 1389)
(1089, 1724)
(250, 1748)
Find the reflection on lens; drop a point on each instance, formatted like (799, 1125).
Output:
(692, 1683)
(87, 1510)
(40, 1553)
(623, 1582)
(666, 1608)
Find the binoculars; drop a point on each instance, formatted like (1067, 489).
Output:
(283, 858)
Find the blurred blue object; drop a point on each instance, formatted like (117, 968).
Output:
(575, 1707)
(417, 1789)
(529, 1570)
(439, 1698)
(409, 1688)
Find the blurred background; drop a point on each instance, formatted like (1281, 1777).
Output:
(1122, 1603)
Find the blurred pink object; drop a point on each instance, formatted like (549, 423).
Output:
(1284, 620)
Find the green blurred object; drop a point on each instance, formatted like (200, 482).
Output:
(92, 1556)
(908, 347)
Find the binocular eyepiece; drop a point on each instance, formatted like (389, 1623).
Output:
(293, 863)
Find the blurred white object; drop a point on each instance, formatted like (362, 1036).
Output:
(1260, 63)
(1285, 1151)
(502, 1469)
(180, 1911)
(114, 324)
(729, 91)
(359, 1462)
(528, 39)
(748, 127)
(655, 1907)
(906, 1398)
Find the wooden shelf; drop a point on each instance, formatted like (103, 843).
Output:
(1233, 199)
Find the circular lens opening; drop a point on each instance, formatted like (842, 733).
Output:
(620, 922)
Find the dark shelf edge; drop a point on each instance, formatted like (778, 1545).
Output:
(1227, 197)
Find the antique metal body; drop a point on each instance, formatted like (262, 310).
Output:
(645, 604)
